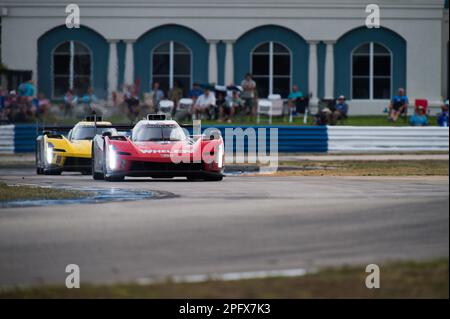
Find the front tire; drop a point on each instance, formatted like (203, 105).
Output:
(209, 178)
(39, 170)
(213, 178)
(52, 172)
(193, 179)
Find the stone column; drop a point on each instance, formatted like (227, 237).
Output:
(229, 63)
(112, 67)
(329, 70)
(129, 62)
(312, 73)
(212, 62)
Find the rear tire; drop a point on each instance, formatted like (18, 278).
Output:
(53, 173)
(39, 171)
(95, 175)
(114, 178)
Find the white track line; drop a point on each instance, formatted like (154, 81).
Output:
(224, 276)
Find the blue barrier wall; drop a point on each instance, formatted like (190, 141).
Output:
(290, 139)
(25, 138)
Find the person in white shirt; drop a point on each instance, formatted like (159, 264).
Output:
(205, 103)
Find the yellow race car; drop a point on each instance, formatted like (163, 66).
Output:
(56, 152)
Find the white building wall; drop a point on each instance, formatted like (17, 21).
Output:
(445, 40)
(423, 57)
(418, 21)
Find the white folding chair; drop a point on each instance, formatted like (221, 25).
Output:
(165, 107)
(277, 104)
(305, 115)
(264, 108)
(185, 104)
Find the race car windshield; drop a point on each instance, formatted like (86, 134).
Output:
(158, 133)
(88, 132)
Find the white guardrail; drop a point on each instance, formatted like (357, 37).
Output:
(383, 138)
(7, 139)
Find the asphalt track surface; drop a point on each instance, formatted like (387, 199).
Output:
(239, 224)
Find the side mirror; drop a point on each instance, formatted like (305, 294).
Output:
(109, 134)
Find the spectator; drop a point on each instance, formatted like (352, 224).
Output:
(248, 94)
(419, 118)
(296, 101)
(27, 89)
(43, 104)
(6, 115)
(3, 97)
(12, 98)
(89, 99)
(340, 111)
(11, 107)
(442, 118)
(148, 103)
(3, 106)
(195, 92)
(398, 105)
(33, 107)
(294, 96)
(232, 106)
(204, 103)
(323, 116)
(156, 95)
(22, 111)
(220, 104)
(70, 100)
(117, 98)
(132, 101)
(176, 93)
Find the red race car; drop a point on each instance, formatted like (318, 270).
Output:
(158, 148)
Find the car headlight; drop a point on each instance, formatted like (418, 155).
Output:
(112, 157)
(49, 153)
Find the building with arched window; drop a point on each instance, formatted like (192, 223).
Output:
(71, 68)
(172, 63)
(371, 72)
(322, 46)
(271, 68)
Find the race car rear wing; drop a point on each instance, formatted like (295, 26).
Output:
(157, 117)
(55, 131)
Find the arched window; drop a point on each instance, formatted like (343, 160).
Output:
(371, 72)
(171, 63)
(72, 65)
(271, 69)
